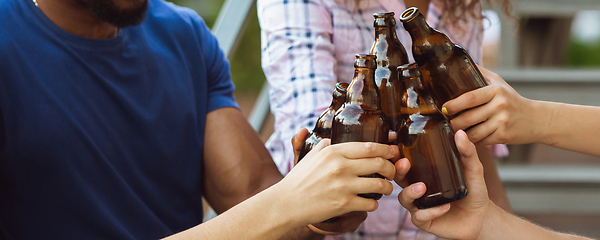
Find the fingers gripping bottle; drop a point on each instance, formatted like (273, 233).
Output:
(323, 125)
(448, 70)
(361, 118)
(426, 138)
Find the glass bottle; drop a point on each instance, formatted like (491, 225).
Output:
(390, 55)
(361, 118)
(447, 69)
(323, 125)
(426, 138)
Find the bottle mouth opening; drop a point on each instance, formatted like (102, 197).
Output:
(408, 71)
(365, 61)
(385, 19)
(383, 14)
(342, 87)
(409, 14)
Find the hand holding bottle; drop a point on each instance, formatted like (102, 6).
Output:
(331, 174)
(462, 219)
(475, 216)
(502, 114)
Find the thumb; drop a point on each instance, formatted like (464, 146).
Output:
(298, 142)
(471, 164)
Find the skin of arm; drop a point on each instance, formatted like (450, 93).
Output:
(237, 166)
(495, 188)
(507, 117)
(492, 180)
(475, 216)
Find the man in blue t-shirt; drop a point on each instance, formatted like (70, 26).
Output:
(116, 118)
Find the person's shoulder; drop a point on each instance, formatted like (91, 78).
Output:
(173, 17)
(7, 6)
(9, 10)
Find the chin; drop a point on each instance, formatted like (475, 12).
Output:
(129, 5)
(120, 13)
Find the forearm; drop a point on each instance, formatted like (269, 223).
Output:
(236, 164)
(500, 225)
(260, 217)
(494, 185)
(302, 232)
(568, 126)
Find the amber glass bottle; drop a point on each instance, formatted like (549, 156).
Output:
(390, 55)
(323, 125)
(361, 118)
(426, 138)
(448, 70)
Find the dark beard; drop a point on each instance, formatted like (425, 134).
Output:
(108, 11)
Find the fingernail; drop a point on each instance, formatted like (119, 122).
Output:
(417, 188)
(445, 207)
(392, 150)
(445, 111)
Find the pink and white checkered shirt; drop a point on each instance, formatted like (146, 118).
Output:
(307, 47)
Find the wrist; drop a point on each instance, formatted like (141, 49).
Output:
(279, 201)
(541, 114)
(302, 233)
(493, 223)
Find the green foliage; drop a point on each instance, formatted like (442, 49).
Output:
(246, 71)
(583, 55)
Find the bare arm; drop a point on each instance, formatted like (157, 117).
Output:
(240, 168)
(326, 184)
(475, 216)
(494, 185)
(236, 164)
(568, 126)
(507, 117)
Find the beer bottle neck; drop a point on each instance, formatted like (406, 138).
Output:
(416, 97)
(337, 102)
(363, 89)
(387, 33)
(323, 124)
(418, 27)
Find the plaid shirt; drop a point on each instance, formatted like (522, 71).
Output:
(307, 47)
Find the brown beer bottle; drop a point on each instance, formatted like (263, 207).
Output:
(426, 138)
(361, 118)
(448, 70)
(323, 125)
(390, 55)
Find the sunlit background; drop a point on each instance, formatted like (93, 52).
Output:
(564, 206)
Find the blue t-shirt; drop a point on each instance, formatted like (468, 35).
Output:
(102, 139)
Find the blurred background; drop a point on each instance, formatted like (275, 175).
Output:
(552, 52)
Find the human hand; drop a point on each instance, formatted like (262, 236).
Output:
(348, 222)
(402, 165)
(326, 182)
(462, 219)
(502, 114)
(298, 142)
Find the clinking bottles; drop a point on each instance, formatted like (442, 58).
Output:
(390, 55)
(323, 125)
(448, 70)
(361, 118)
(426, 138)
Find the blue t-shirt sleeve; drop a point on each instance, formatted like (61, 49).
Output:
(219, 85)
